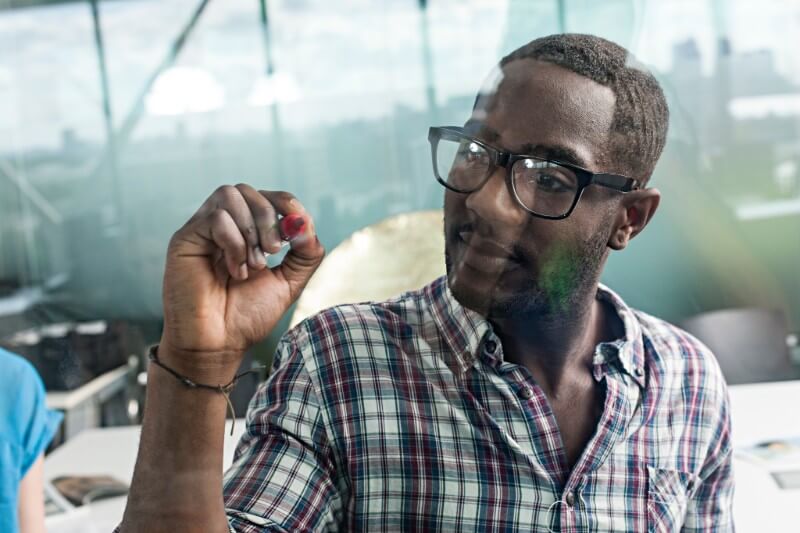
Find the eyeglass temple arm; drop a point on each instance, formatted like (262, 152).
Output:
(614, 181)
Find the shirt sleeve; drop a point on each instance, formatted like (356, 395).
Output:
(711, 507)
(283, 477)
(38, 423)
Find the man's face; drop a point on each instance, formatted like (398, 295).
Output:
(502, 261)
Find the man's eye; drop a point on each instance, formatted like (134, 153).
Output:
(550, 183)
(472, 153)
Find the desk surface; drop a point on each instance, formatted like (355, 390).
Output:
(100, 386)
(110, 451)
(759, 412)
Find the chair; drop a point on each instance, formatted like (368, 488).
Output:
(400, 253)
(752, 345)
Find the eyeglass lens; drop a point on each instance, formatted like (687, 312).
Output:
(541, 186)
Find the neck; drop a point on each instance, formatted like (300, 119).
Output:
(557, 346)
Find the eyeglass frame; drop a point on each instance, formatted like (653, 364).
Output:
(506, 159)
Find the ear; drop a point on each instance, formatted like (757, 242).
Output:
(634, 212)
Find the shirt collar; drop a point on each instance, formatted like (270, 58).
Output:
(628, 350)
(463, 331)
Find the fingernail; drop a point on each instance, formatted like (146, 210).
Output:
(243, 271)
(261, 257)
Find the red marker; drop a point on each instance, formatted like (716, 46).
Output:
(292, 226)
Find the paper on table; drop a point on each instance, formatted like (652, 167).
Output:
(781, 458)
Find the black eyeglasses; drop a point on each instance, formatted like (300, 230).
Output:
(544, 188)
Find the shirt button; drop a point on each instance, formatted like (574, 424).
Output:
(570, 498)
(525, 393)
(490, 347)
(639, 372)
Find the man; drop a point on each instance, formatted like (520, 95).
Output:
(516, 394)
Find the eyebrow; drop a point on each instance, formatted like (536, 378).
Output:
(555, 153)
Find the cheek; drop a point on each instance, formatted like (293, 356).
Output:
(594, 214)
(453, 207)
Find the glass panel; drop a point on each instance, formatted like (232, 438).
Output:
(119, 123)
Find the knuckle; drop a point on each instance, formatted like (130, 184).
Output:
(226, 192)
(250, 234)
(174, 239)
(284, 197)
(218, 216)
(263, 211)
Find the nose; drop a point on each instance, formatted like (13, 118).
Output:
(494, 202)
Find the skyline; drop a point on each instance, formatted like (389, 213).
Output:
(47, 88)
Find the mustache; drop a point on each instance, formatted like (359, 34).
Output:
(514, 251)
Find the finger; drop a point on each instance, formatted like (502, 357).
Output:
(287, 204)
(220, 268)
(265, 217)
(306, 252)
(230, 198)
(224, 232)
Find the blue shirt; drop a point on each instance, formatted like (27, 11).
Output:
(26, 428)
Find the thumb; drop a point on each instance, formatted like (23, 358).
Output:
(302, 260)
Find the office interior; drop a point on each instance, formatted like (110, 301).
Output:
(119, 117)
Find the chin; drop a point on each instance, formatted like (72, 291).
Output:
(490, 295)
(467, 295)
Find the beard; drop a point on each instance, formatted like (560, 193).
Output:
(565, 276)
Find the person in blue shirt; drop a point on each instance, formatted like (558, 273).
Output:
(26, 428)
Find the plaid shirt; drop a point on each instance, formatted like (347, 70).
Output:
(403, 416)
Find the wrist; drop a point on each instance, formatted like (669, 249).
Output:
(206, 367)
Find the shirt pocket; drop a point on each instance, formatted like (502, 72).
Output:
(668, 495)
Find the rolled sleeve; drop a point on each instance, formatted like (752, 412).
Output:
(283, 477)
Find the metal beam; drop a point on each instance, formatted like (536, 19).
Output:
(19, 4)
(427, 62)
(265, 31)
(31, 193)
(122, 135)
(7, 5)
(111, 143)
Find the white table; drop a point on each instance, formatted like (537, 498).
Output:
(762, 412)
(109, 451)
(82, 406)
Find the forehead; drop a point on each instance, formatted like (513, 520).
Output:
(537, 107)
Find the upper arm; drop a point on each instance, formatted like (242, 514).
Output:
(711, 506)
(284, 477)
(31, 498)
(38, 424)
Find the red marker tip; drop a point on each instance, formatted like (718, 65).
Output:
(292, 226)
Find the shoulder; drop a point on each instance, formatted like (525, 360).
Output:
(363, 344)
(686, 394)
(682, 368)
(350, 329)
(22, 394)
(18, 377)
(674, 350)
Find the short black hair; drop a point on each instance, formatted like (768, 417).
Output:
(641, 115)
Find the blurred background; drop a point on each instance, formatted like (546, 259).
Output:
(119, 117)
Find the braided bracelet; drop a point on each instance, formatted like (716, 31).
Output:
(225, 390)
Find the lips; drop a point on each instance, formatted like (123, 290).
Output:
(484, 246)
(483, 254)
